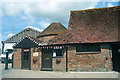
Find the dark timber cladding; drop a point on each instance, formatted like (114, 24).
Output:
(27, 42)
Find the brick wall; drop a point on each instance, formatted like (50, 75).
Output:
(90, 62)
(81, 62)
(59, 65)
(35, 65)
(17, 59)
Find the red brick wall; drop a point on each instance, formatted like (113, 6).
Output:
(35, 65)
(89, 62)
(61, 66)
(17, 59)
(56, 67)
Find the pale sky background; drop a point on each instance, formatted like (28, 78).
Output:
(41, 13)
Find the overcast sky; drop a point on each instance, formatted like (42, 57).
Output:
(40, 14)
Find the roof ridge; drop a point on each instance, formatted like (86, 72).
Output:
(36, 41)
(94, 9)
(33, 28)
(51, 29)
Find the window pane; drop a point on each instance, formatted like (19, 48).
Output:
(24, 56)
(27, 56)
(58, 52)
(88, 47)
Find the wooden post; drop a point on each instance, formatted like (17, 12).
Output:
(12, 60)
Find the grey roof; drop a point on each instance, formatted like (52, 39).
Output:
(28, 31)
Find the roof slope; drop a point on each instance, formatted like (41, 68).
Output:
(27, 42)
(90, 26)
(28, 31)
(54, 28)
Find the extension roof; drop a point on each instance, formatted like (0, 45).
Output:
(54, 28)
(91, 26)
(28, 42)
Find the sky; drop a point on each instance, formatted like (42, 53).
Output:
(41, 13)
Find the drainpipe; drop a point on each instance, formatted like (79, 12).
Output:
(66, 60)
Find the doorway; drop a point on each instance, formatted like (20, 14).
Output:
(116, 57)
(47, 60)
(26, 59)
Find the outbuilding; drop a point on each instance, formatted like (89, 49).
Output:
(91, 44)
(28, 51)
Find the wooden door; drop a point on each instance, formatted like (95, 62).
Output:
(116, 57)
(46, 59)
(26, 59)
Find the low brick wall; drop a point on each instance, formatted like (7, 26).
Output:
(89, 62)
(17, 59)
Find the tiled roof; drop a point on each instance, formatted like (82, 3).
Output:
(23, 33)
(54, 28)
(90, 26)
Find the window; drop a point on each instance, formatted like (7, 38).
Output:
(88, 48)
(25, 56)
(59, 52)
